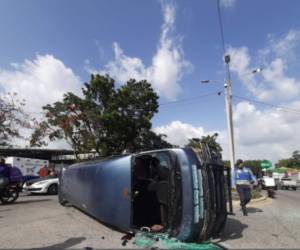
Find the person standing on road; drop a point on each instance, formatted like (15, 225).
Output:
(243, 180)
(44, 171)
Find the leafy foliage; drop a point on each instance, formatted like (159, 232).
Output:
(149, 140)
(292, 162)
(255, 166)
(107, 119)
(12, 118)
(210, 140)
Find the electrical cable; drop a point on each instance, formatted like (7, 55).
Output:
(221, 25)
(267, 104)
(192, 98)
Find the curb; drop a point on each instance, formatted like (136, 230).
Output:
(237, 202)
(258, 199)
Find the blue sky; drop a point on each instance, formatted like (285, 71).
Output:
(50, 47)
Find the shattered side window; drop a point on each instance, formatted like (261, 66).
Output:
(164, 159)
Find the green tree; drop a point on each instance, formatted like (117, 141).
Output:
(210, 140)
(292, 162)
(284, 163)
(12, 118)
(148, 140)
(255, 166)
(295, 160)
(107, 119)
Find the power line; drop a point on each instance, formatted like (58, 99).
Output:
(267, 104)
(191, 98)
(221, 25)
(228, 99)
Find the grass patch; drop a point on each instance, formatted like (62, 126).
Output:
(254, 193)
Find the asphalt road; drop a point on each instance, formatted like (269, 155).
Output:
(274, 223)
(39, 222)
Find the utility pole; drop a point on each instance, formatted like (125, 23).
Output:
(228, 103)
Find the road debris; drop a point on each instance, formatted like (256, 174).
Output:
(162, 240)
(127, 237)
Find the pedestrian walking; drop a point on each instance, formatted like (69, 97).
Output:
(243, 180)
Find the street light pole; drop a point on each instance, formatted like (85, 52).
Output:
(228, 104)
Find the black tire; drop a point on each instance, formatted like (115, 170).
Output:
(52, 189)
(9, 196)
(271, 193)
(294, 188)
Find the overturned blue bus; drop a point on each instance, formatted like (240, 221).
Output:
(178, 191)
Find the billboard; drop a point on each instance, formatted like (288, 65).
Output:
(28, 166)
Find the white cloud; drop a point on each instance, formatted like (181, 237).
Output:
(228, 3)
(284, 46)
(178, 133)
(41, 81)
(274, 83)
(167, 67)
(254, 127)
(259, 134)
(271, 133)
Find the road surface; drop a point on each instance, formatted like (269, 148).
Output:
(39, 222)
(270, 224)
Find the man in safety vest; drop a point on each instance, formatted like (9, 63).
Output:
(243, 180)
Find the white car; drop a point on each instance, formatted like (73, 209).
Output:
(287, 183)
(42, 186)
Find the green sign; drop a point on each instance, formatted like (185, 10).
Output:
(266, 164)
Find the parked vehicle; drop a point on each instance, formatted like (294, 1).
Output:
(287, 183)
(182, 192)
(46, 185)
(26, 178)
(296, 177)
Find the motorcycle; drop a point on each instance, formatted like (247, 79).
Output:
(9, 194)
(267, 183)
(271, 192)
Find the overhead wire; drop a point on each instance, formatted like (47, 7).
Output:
(221, 25)
(267, 104)
(191, 98)
(223, 47)
(220, 21)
